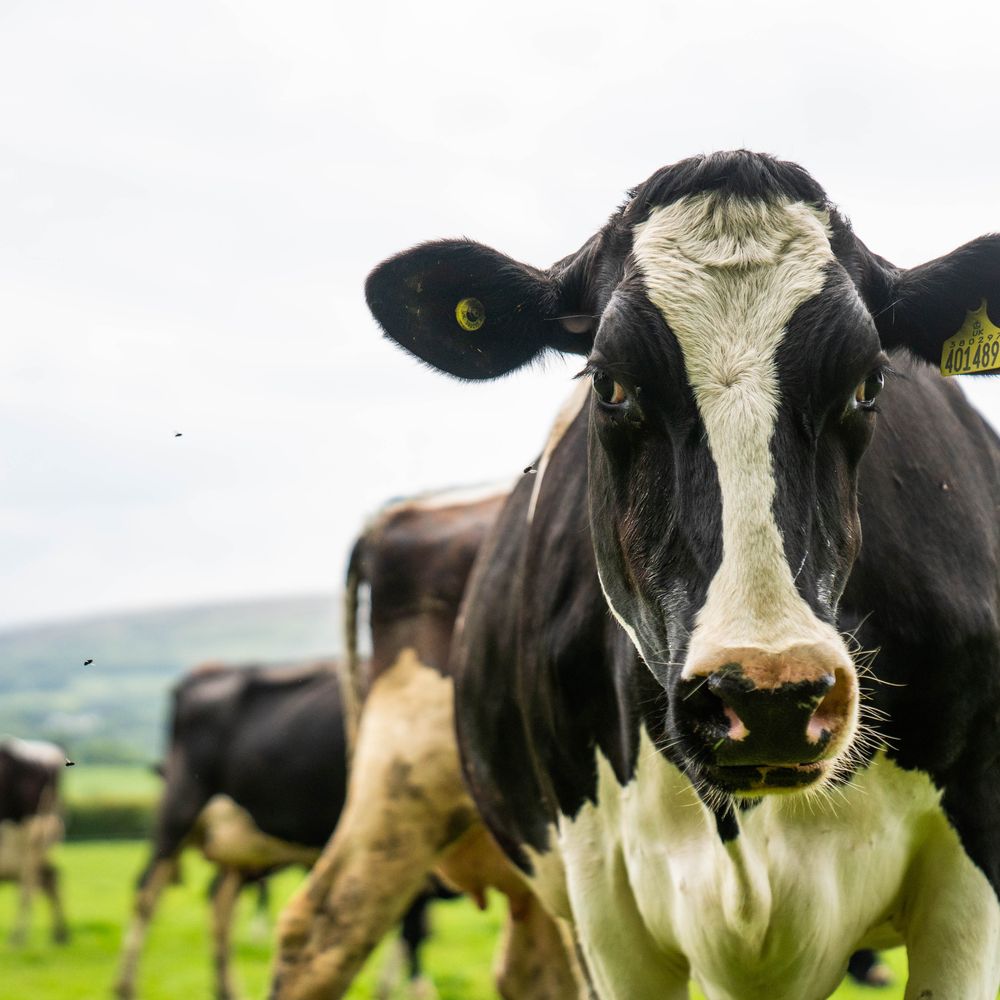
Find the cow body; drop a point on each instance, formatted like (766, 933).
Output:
(254, 776)
(407, 810)
(775, 900)
(723, 781)
(30, 825)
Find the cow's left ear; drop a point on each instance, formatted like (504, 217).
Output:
(471, 312)
(924, 306)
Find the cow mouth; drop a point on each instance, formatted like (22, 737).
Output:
(765, 779)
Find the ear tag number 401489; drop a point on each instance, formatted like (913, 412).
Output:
(975, 348)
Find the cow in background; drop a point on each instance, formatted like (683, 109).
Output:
(254, 778)
(227, 836)
(268, 738)
(30, 825)
(407, 808)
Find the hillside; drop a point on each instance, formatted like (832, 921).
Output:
(112, 709)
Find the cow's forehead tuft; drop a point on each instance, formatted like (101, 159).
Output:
(739, 173)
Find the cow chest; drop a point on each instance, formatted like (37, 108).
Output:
(658, 897)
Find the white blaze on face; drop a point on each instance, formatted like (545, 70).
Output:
(727, 274)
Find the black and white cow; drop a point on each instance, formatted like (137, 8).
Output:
(255, 779)
(255, 776)
(30, 826)
(733, 787)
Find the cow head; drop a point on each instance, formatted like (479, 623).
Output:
(735, 332)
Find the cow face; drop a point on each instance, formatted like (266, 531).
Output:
(723, 486)
(735, 331)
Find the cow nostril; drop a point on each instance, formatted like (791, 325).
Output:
(737, 727)
(832, 712)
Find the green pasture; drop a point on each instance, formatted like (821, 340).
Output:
(98, 879)
(86, 782)
(109, 801)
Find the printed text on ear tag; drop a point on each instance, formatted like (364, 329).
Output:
(975, 348)
(471, 314)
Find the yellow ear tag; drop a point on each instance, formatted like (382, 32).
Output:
(470, 314)
(975, 348)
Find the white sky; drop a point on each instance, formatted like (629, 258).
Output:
(191, 194)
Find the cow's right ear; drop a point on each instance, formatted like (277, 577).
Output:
(468, 310)
(921, 308)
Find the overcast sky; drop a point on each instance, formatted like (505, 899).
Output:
(191, 194)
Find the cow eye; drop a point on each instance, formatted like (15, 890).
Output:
(864, 395)
(608, 390)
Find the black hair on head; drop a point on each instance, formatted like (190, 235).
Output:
(738, 172)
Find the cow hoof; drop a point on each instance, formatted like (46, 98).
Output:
(879, 975)
(868, 969)
(421, 988)
(60, 936)
(260, 930)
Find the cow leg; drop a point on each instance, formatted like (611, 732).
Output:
(183, 799)
(951, 924)
(50, 886)
(405, 804)
(535, 958)
(260, 927)
(224, 895)
(537, 955)
(414, 932)
(157, 876)
(391, 974)
(28, 883)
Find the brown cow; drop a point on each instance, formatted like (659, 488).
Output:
(407, 809)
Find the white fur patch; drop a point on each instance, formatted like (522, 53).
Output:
(727, 274)
(36, 751)
(657, 898)
(230, 837)
(26, 843)
(566, 415)
(459, 496)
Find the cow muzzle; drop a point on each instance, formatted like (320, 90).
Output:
(772, 720)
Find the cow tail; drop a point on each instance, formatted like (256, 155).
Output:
(351, 680)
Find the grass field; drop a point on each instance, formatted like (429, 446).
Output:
(98, 878)
(90, 781)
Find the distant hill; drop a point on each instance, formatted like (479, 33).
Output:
(113, 710)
